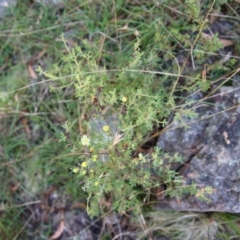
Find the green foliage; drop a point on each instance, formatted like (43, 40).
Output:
(121, 80)
(121, 106)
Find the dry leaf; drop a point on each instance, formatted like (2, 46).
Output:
(70, 42)
(159, 192)
(79, 205)
(136, 33)
(14, 187)
(59, 231)
(124, 28)
(26, 127)
(204, 74)
(31, 71)
(213, 16)
(225, 136)
(106, 203)
(225, 42)
(49, 191)
(205, 35)
(199, 193)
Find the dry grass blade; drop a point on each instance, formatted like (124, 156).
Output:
(187, 226)
(117, 138)
(24, 226)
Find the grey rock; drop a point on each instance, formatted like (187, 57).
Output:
(210, 148)
(5, 7)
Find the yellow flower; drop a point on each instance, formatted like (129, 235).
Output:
(84, 164)
(96, 183)
(84, 172)
(91, 149)
(91, 171)
(94, 157)
(106, 128)
(85, 140)
(141, 157)
(75, 170)
(124, 99)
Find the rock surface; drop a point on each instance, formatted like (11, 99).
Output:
(210, 147)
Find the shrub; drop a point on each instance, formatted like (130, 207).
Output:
(118, 109)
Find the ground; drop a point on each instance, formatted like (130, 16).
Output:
(87, 91)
